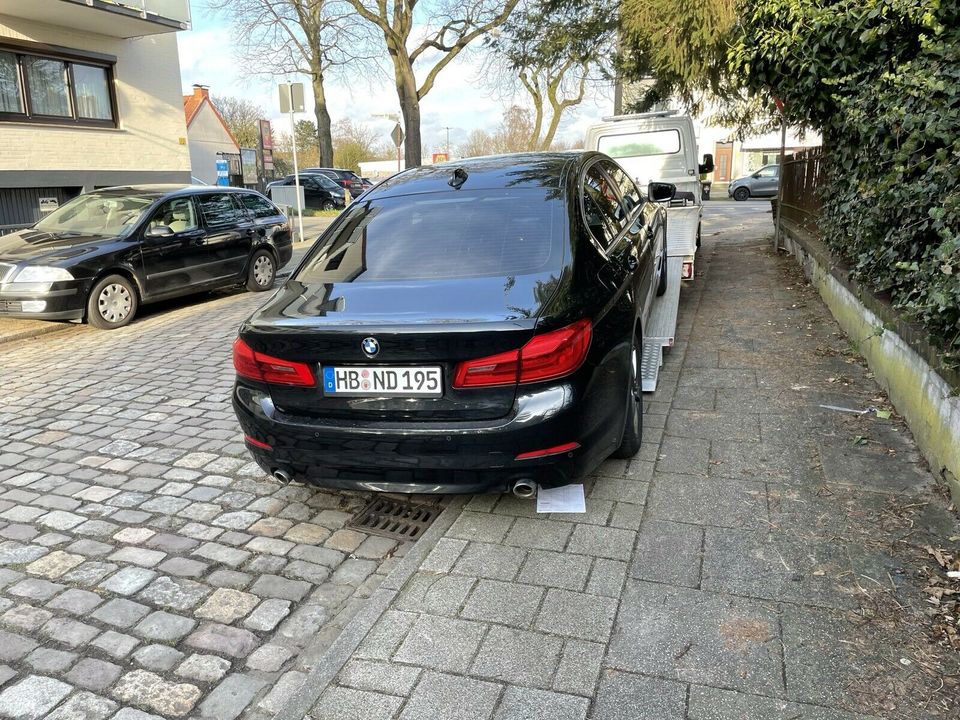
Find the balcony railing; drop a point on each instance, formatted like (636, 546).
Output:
(116, 18)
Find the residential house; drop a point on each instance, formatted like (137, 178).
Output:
(89, 97)
(209, 139)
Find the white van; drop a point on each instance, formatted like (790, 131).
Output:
(662, 147)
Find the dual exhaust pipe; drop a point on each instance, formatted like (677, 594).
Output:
(524, 489)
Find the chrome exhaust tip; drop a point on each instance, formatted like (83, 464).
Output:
(282, 475)
(525, 489)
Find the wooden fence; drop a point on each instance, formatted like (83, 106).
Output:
(799, 177)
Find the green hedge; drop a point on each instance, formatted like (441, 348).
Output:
(881, 80)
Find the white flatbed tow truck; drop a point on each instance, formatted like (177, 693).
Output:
(661, 147)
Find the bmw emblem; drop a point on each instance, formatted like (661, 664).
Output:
(370, 346)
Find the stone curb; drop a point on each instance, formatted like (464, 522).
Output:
(356, 630)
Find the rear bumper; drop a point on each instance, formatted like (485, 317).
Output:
(433, 457)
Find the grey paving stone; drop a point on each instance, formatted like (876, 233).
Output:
(684, 455)
(149, 690)
(171, 543)
(552, 569)
(619, 490)
(54, 564)
(387, 678)
(604, 542)
(539, 533)
(76, 601)
(48, 660)
(157, 657)
(214, 637)
(35, 589)
(274, 586)
(222, 554)
(354, 572)
(267, 615)
(712, 704)
(226, 605)
(203, 668)
(269, 658)
(228, 699)
(485, 560)
(183, 567)
(304, 622)
(448, 697)
(668, 552)
(708, 501)
(89, 574)
(121, 613)
(25, 617)
(339, 703)
(443, 556)
(623, 696)
(699, 637)
(503, 602)
(33, 697)
(435, 594)
(480, 527)
(69, 632)
(164, 627)
(128, 580)
(440, 643)
(375, 548)
(579, 667)
(382, 640)
(520, 703)
(606, 578)
(587, 617)
(518, 657)
(793, 463)
(116, 645)
(230, 579)
(137, 556)
(318, 555)
(93, 674)
(84, 706)
(282, 691)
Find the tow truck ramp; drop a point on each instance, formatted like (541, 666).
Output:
(661, 326)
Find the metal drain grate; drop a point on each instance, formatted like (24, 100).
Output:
(395, 519)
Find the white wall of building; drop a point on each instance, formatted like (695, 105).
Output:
(206, 137)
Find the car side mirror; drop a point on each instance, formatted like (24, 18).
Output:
(707, 165)
(661, 191)
(756, 175)
(159, 231)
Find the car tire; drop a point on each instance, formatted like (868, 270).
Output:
(112, 303)
(633, 429)
(741, 194)
(328, 205)
(262, 271)
(662, 283)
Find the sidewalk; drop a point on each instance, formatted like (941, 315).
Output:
(760, 559)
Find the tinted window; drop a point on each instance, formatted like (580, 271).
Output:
(258, 206)
(639, 144)
(769, 171)
(220, 209)
(447, 235)
(602, 210)
(178, 214)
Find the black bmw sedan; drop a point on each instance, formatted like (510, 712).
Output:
(105, 253)
(462, 327)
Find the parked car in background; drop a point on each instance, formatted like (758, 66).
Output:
(367, 183)
(765, 182)
(319, 191)
(463, 327)
(103, 254)
(346, 179)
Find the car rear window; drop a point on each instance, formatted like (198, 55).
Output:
(440, 236)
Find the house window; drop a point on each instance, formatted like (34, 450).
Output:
(50, 89)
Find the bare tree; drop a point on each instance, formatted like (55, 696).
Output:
(354, 142)
(450, 28)
(241, 116)
(305, 37)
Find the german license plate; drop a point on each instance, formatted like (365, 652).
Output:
(383, 381)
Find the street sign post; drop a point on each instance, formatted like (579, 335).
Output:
(291, 101)
(397, 136)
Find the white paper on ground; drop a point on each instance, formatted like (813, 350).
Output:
(566, 499)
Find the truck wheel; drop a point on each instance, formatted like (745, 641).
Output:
(741, 194)
(633, 430)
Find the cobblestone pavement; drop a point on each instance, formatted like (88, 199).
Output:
(146, 566)
(760, 559)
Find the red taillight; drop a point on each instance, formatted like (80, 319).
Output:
(545, 357)
(491, 371)
(257, 366)
(556, 450)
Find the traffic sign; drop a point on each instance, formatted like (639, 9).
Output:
(291, 97)
(397, 135)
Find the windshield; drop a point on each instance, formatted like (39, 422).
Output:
(477, 233)
(96, 214)
(641, 144)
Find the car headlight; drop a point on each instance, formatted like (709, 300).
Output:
(42, 273)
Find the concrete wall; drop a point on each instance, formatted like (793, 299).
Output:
(206, 137)
(150, 114)
(925, 400)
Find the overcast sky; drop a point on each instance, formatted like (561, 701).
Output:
(458, 99)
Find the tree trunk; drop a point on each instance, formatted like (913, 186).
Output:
(324, 139)
(410, 109)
